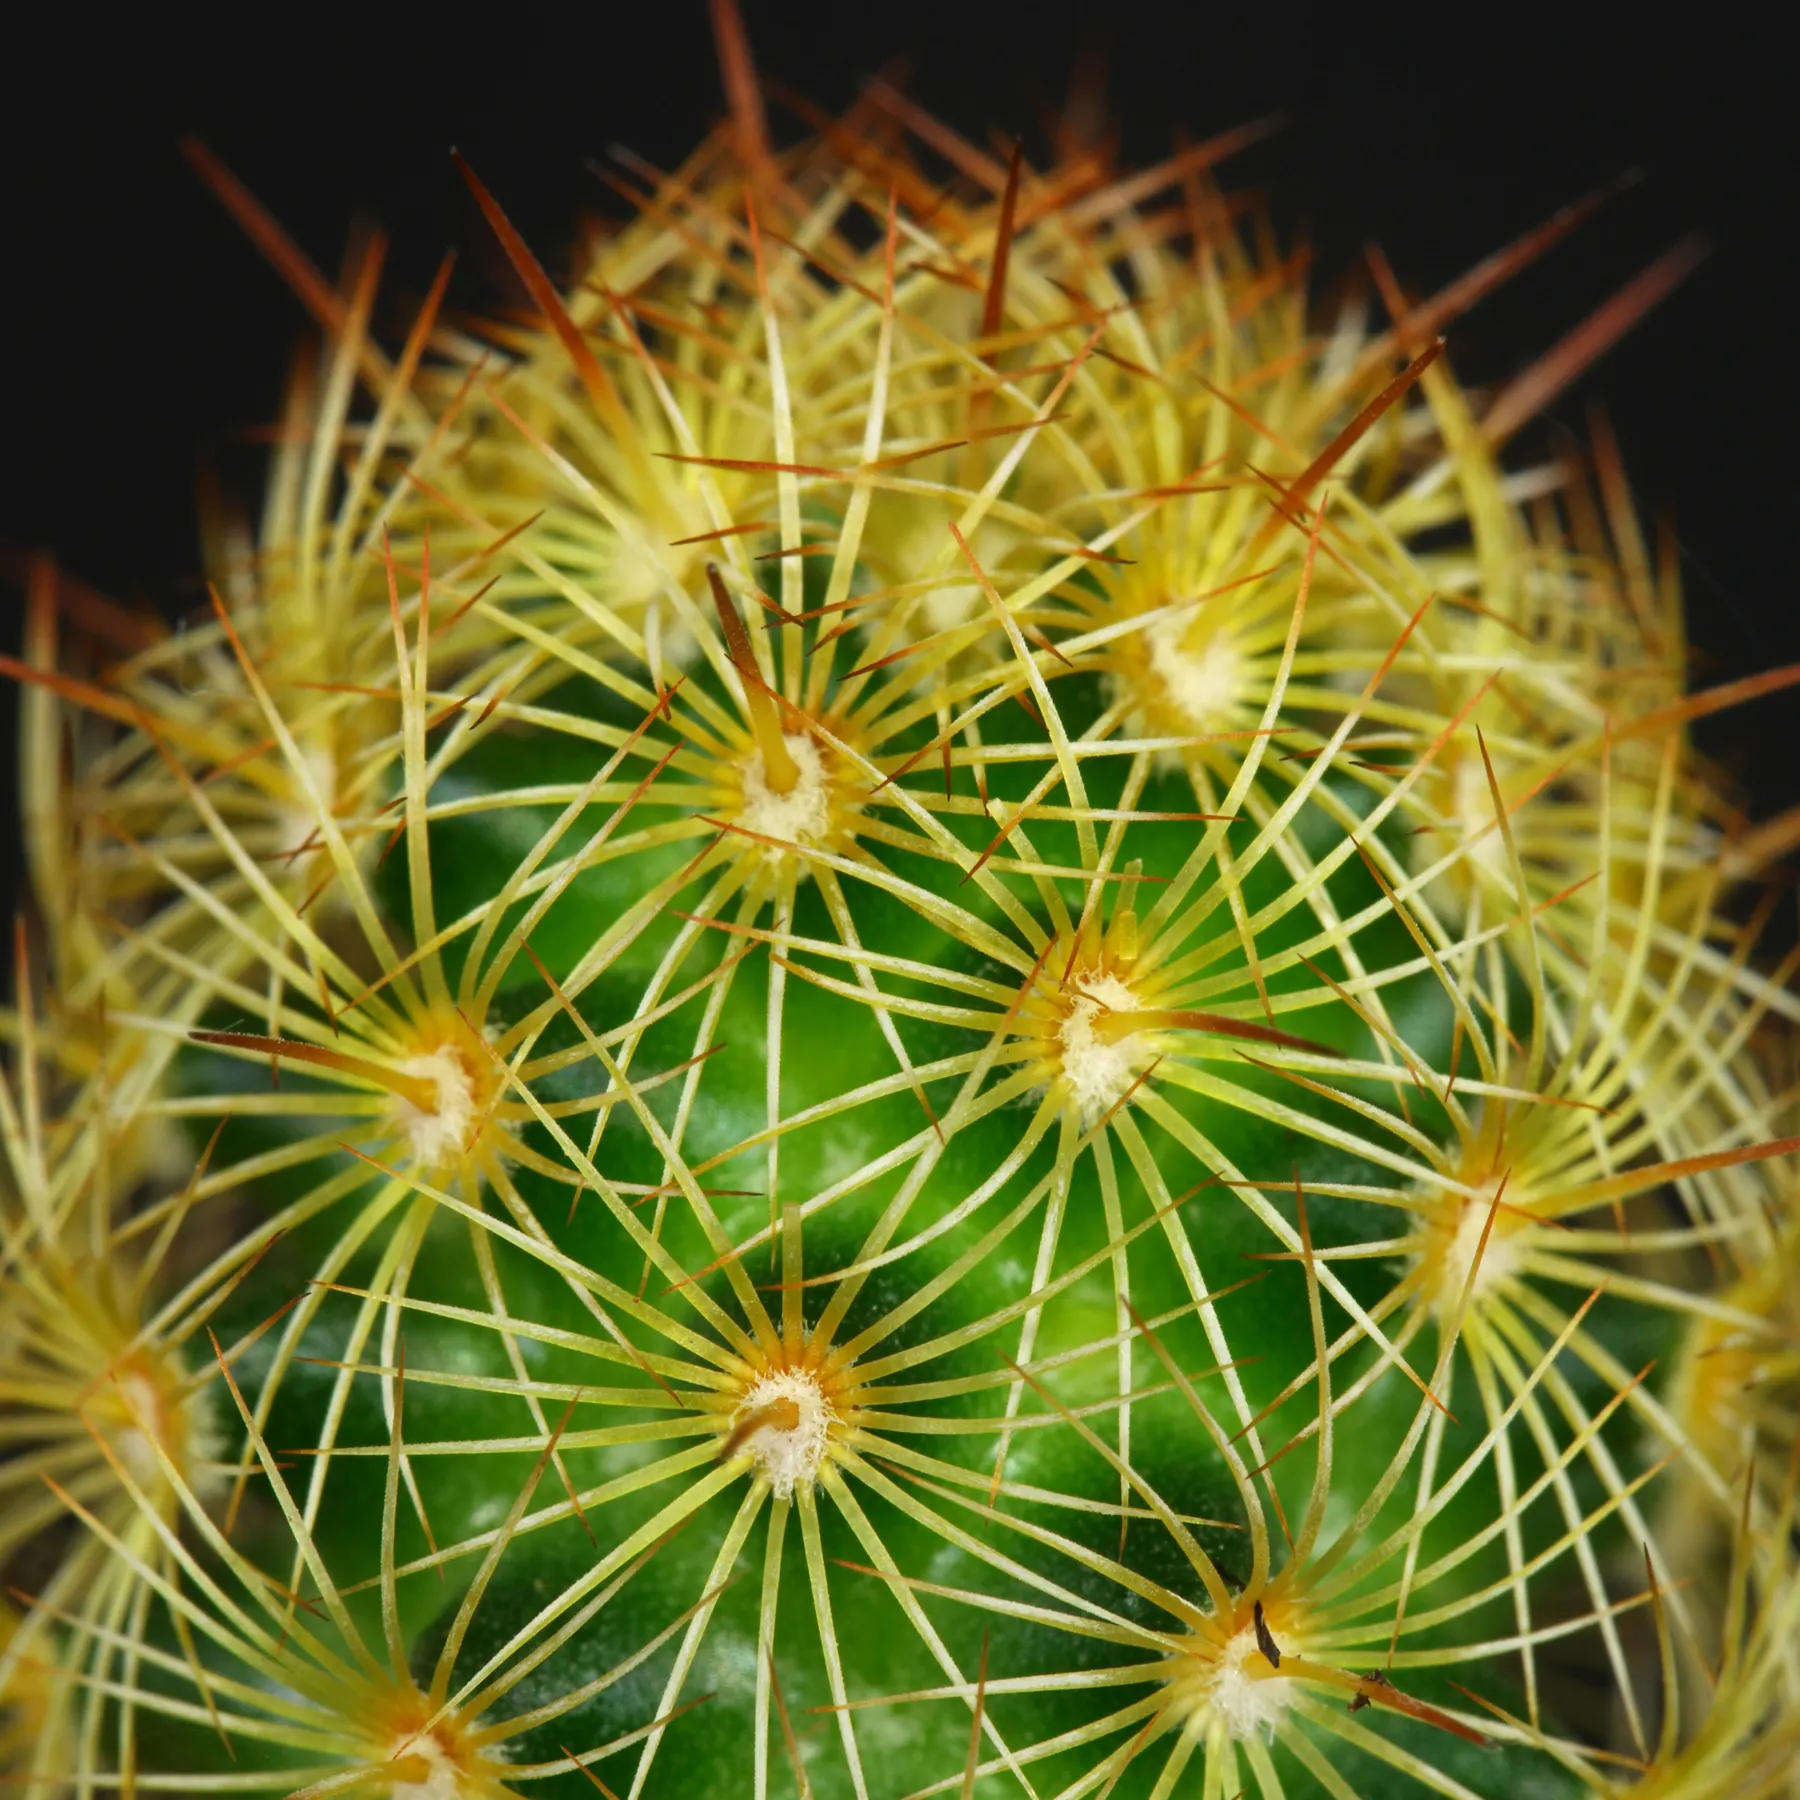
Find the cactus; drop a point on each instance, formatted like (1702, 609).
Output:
(923, 1001)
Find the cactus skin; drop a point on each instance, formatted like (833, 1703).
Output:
(923, 1002)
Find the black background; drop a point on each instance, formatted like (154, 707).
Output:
(138, 328)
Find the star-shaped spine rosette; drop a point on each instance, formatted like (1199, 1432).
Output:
(1734, 1391)
(1355, 1598)
(1727, 1720)
(917, 957)
(725, 1416)
(261, 1681)
(394, 1060)
(781, 754)
(1084, 1019)
(300, 622)
(1550, 1179)
(108, 1398)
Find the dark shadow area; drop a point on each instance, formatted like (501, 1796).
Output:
(141, 331)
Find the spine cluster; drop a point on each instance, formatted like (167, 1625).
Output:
(923, 998)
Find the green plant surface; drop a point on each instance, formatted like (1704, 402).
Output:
(928, 1002)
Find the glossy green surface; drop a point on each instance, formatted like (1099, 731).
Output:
(468, 1475)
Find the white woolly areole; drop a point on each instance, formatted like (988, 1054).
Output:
(1201, 684)
(444, 1782)
(136, 1444)
(630, 572)
(668, 638)
(1497, 1259)
(800, 816)
(441, 1134)
(786, 1459)
(1245, 1703)
(1097, 1070)
(183, 1429)
(956, 603)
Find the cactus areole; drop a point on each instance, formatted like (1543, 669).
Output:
(927, 997)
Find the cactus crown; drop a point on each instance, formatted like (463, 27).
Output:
(922, 1001)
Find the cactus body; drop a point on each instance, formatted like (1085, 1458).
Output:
(944, 1011)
